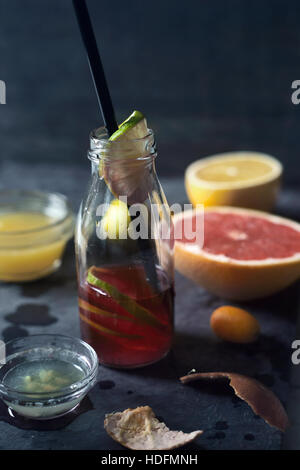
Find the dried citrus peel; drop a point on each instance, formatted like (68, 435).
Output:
(139, 429)
(261, 399)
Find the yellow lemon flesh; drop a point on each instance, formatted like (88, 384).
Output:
(245, 179)
(116, 220)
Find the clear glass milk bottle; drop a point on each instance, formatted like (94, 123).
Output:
(124, 252)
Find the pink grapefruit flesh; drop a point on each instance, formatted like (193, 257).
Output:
(246, 254)
(244, 237)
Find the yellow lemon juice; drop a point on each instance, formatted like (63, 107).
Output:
(31, 245)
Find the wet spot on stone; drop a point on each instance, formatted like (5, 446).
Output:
(249, 437)
(31, 314)
(129, 392)
(13, 332)
(220, 425)
(106, 384)
(36, 289)
(217, 435)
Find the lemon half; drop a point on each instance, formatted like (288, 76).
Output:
(116, 220)
(244, 179)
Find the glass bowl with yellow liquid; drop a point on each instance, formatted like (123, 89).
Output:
(34, 229)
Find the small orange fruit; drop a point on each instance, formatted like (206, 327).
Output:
(234, 324)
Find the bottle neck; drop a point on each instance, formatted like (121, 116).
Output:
(127, 166)
(131, 155)
(123, 148)
(147, 165)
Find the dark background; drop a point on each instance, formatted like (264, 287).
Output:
(211, 76)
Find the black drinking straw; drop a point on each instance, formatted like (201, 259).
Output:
(106, 106)
(96, 66)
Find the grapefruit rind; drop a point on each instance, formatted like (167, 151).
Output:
(237, 279)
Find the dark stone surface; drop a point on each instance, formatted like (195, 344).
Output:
(228, 423)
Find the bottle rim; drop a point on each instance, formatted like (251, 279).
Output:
(101, 147)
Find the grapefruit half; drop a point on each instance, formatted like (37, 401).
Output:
(246, 254)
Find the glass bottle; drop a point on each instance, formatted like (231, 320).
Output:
(124, 253)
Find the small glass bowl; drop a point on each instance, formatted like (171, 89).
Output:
(47, 405)
(26, 255)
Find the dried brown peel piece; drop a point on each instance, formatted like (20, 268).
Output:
(260, 398)
(139, 429)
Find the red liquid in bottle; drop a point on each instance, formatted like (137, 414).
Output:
(126, 320)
